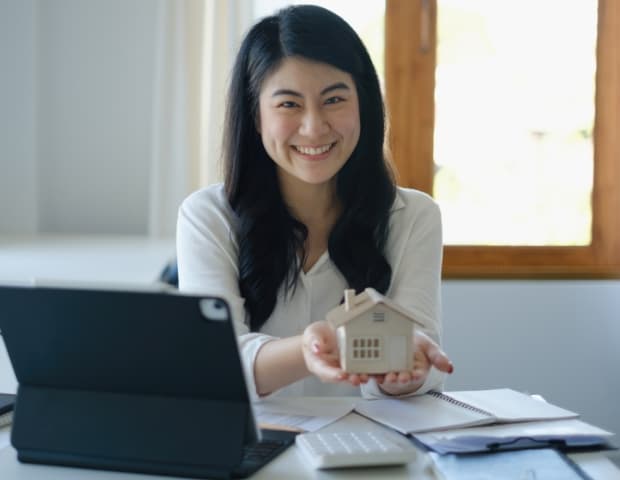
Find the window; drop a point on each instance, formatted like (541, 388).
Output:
(583, 242)
(367, 348)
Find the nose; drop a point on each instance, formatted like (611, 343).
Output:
(314, 123)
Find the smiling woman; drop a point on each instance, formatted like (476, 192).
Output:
(309, 208)
(309, 122)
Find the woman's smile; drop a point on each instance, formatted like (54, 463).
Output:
(314, 152)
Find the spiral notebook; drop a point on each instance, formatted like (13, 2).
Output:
(441, 411)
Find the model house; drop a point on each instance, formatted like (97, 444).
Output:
(374, 333)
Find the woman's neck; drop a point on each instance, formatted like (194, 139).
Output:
(318, 208)
(313, 205)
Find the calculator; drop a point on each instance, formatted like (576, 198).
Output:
(352, 449)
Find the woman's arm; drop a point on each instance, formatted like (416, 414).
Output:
(207, 261)
(278, 363)
(415, 253)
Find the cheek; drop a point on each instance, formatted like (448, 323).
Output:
(275, 128)
(349, 126)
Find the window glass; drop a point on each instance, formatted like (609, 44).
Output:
(514, 112)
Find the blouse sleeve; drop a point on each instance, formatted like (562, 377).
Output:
(416, 255)
(207, 262)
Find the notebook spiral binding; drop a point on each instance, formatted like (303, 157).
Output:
(458, 403)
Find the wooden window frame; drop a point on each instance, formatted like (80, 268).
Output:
(410, 59)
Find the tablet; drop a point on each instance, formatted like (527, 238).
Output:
(127, 380)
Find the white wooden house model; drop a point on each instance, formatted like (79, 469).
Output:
(374, 333)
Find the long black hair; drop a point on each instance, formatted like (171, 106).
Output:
(269, 237)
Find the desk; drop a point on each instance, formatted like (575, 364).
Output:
(288, 466)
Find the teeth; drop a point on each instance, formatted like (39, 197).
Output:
(313, 151)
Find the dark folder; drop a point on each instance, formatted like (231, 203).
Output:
(132, 381)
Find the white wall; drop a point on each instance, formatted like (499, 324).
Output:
(18, 180)
(560, 339)
(78, 85)
(94, 82)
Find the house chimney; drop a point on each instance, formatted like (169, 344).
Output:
(349, 303)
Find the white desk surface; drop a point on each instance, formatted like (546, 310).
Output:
(288, 466)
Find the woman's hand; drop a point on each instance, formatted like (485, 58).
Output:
(426, 354)
(320, 350)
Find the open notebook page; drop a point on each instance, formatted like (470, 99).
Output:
(419, 414)
(440, 411)
(507, 405)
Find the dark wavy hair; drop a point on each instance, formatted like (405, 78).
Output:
(269, 237)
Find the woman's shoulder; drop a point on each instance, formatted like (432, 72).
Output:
(208, 198)
(208, 205)
(415, 202)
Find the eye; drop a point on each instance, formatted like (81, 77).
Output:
(288, 104)
(333, 100)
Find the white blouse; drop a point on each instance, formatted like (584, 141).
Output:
(207, 254)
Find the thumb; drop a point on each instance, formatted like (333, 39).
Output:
(440, 360)
(317, 344)
(436, 356)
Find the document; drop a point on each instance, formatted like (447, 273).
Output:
(436, 411)
(304, 414)
(558, 433)
(536, 464)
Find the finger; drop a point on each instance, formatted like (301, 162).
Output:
(328, 373)
(331, 358)
(418, 373)
(354, 379)
(391, 377)
(404, 377)
(436, 356)
(441, 361)
(317, 344)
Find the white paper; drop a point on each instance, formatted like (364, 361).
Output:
(306, 414)
(450, 410)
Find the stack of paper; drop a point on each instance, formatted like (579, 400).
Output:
(483, 420)
(560, 433)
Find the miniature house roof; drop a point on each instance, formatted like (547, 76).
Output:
(356, 305)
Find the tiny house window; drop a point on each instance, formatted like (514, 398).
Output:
(367, 348)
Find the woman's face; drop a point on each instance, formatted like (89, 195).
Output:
(309, 120)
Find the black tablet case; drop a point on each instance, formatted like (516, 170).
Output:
(132, 381)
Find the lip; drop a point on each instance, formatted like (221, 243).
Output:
(318, 156)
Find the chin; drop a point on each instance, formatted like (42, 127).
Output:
(318, 179)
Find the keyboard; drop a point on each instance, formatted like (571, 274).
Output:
(257, 455)
(352, 449)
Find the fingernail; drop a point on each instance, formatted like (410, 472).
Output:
(450, 368)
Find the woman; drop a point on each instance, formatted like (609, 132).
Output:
(309, 208)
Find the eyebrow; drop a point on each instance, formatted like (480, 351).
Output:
(331, 88)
